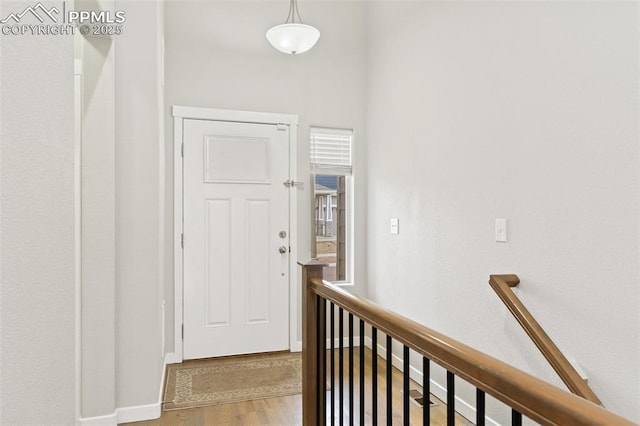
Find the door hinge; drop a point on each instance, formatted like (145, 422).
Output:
(182, 149)
(182, 333)
(182, 240)
(292, 183)
(281, 126)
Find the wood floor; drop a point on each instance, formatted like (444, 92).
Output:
(283, 411)
(287, 411)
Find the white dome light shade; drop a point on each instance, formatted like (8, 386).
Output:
(293, 38)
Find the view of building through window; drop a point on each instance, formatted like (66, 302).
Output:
(330, 225)
(326, 195)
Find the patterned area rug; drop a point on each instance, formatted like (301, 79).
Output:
(200, 383)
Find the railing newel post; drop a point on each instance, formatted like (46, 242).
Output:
(313, 404)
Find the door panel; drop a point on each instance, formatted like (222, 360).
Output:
(218, 265)
(236, 281)
(258, 267)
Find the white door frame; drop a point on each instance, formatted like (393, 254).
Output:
(181, 113)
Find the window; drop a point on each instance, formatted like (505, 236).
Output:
(331, 168)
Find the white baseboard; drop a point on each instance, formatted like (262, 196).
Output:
(125, 415)
(172, 358)
(163, 379)
(109, 420)
(139, 413)
(336, 343)
(345, 342)
(153, 411)
(135, 413)
(463, 407)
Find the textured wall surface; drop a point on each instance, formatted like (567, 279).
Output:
(36, 233)
(519, 110)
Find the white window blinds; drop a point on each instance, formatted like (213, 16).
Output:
(330, 151)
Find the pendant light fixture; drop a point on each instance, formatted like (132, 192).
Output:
(293, 37)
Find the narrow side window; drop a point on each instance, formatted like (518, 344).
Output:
(332, 176)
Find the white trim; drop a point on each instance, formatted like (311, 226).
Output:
(296, 347)
(180, 113)
(350, 189)
(293, 232)
(139, 413)
(463, 407)
(172, 358)
(177, 233)
(108, 420)
(163, 378)
(125, 415)
(163, 327)
(135, 413)
(77, 66)
(162, 154)
(184, 112)
(77, 184)
(144, 412)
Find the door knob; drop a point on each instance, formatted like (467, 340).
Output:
(282, 249)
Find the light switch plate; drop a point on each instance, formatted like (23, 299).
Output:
(395, 225)
(501, 230)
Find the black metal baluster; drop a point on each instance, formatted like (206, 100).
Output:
(318, 348)
(426, 392)
(451, 399)
(362, 366)
(351, 413)
(322, 357)
(374, 376)
(389, 383)
(341, 364)
(479, 407)
(516, 418)
(333, 369)
(405, 385)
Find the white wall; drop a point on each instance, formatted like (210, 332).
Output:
(122, 352)
(519, 110)
(37, 377)
(98, 227)
(218, 57)
(138, 151)
(474, 111)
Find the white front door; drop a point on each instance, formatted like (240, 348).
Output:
(236, 238)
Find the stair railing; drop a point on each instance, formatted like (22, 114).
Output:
(502, 285)
(524, 394)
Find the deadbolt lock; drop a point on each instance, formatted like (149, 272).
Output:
(283, 234)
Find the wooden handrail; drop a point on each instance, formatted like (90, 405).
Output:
(502, 285)
(536, 399)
